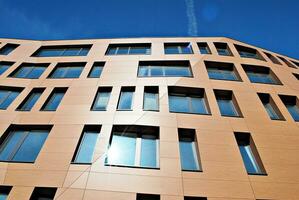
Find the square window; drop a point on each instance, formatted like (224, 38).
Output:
(227, 103)
(222, 71)
(102, 98)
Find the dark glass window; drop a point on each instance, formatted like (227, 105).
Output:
(126, 98)
(291, 103)
(8, 95)
(270, 107)
(296, 63)
(29, 70)
(289, 64)
(127, 49)
(102, 98)
(31, 99)
(195, 198)
(260, 74)
(246, 52)
(204, 48)
(54, 99)
(147, 197)
(22, 143)
(188, 150)
(296, 75)
(8, 48)
(272, 58)
(222, 71)
(187, 100)
(96, 70)
(227, 103)
(4, 192)
(5, 66)
(164, 69)
(178, 48)
(223, 49)
(65, 50)
(86, 145)
(67, 70)
(43, 193)
(249, 153)
(151, 98)
(134, 146)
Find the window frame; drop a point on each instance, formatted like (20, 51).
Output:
(50, 98)
(206, 46)
(62, 49)
(105, 89)
(151, 90)
(229, 96)
(9, 91)
(96, 64)
(67, 65)
(179, 46)
(32, 67)
(29, 96)
(123, 89)
(129, 46)
(220, 67)
(8, 45)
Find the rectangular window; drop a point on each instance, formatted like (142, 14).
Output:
(178, 48)
(126, 96)
(4, 192)
(29, 70)
(6, 49)
(204, 48)
(270, 106)
(296, 75)
(62, 50)
(54, 99)
(291, 103)
(223, 49)
(8, 95)
(195, 198)
(129, 49)
(31, 99)
(151, 98)
(187, 100)
(246, 52)
(272, 58)
(67, 70)
(164, 69)
(96, 70)
(188, 150)
(296, 63)
(289, 64)
(43, 193)
(5, 66)
(227, 103)
(85, 148)
(22, 143)
(102, 98)
(222, 71)
(261, 74)
(135, 146)
(249, 153)
(147, 197)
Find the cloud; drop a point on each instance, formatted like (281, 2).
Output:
(192, 22)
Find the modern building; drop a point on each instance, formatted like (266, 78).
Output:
(147, 119)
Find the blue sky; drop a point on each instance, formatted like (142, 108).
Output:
(270, 24)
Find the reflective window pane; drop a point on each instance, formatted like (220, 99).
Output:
(151, 101)
(54, 100)
(30, 100)
(73, 72)
(101, 101)
(53, 51)
(9, 145)
(227, 107)
(148, 157)
(8, 48)
(178, 104)
(198, 105)
(4, 67)
(125, 100)
(188, 154)
(86, 148)
(271, 111)
(294, 111)
(7, 97)
(95, 72)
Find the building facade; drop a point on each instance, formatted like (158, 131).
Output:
(147, 119)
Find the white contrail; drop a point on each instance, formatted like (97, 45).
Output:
(192, 22)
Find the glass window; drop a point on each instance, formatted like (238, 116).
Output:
(67, 70)
(102, 98)
(4, 192)
(226, 103)
(86, 146)
(188, 150)
(151, 98)
(296, 76)
(222, 71)
(54, 99)
(260, 74)
(247, 52)
(96, 70)
(147, 197)
(125, 49)
(178, 48)
(53, 51)
(126, 98)
(223, 49)
(134, 146)
(31, 71)
(249, 154)
(43, 193)
(289, 64)
(272, 58)
(291, 103)
(195, 198)
(31, 99)
(7, 96)
(8, 48)
(5, 66)
(22, 145)
(204, 48)
(270, 106)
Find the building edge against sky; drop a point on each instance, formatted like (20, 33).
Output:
(147, 118)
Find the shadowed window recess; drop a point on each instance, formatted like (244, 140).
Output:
(62, 50)
(164, 69)
(195, 198)
(187, 100)
(31, 99)
(204, 48)
(129, 49)
(270, 106)
(222, 71)
(5, 66)
(8, 48)
(4, 192)
(125, 101)
(296, 63)
(43, 193)
(223, 49)
(178, 48)
(249, 153)
(22, 143)
(54, 99)
(272, 58)
(96, 70)
(8, 95)
(86, 146)
(296, 76)
(151, 98)
(189, 155)
(247, 52)
(147, 197)
(67, 70)
(261, 74)
(134, 146)
(227, 103)
(29, 70)
(288, 63)
(102, 98)
(292, 104)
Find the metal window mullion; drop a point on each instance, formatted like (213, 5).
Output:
(129, 49)
(116, 51)
(18, 145)
(163, 70)
(138, 151)
(180, 49)
(149, 70)
(195, 156)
